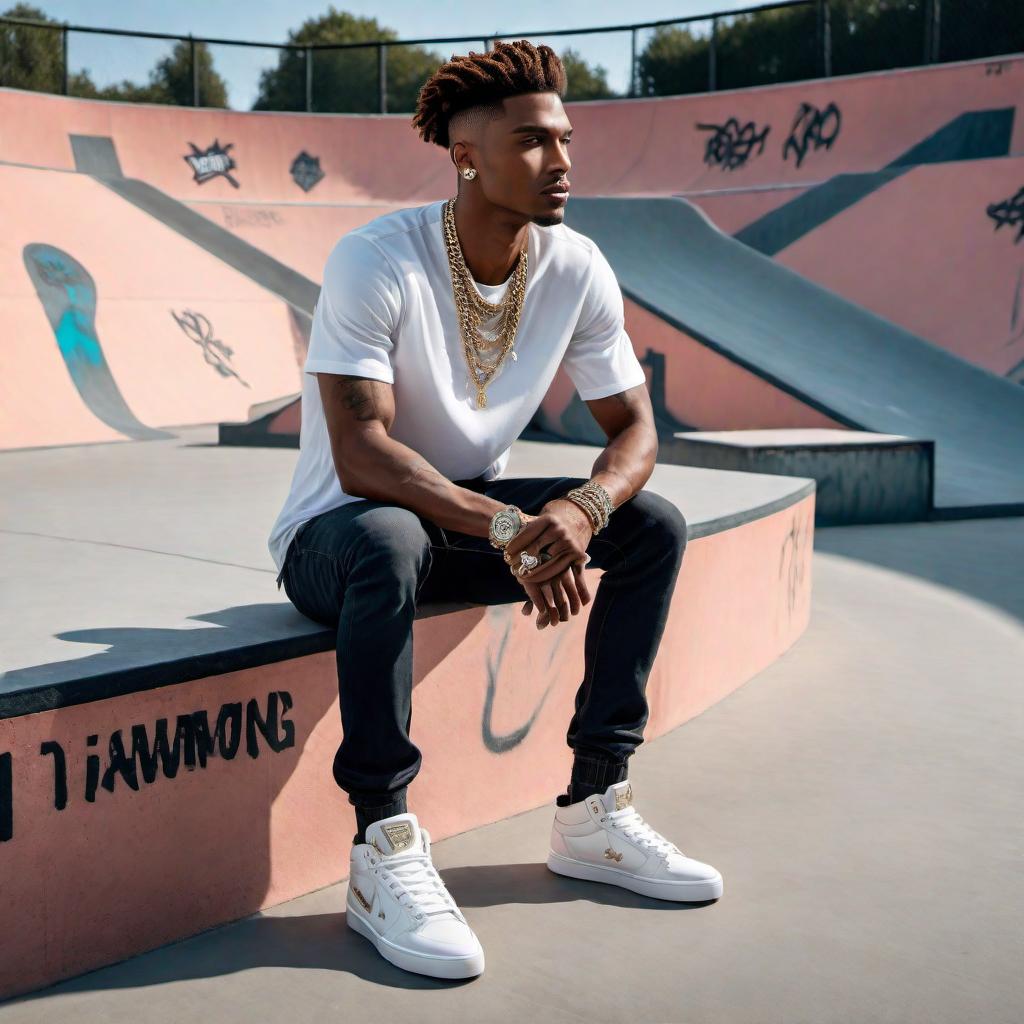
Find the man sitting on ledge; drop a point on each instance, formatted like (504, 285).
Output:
(437, 333)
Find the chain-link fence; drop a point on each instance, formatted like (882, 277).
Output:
(779, 42)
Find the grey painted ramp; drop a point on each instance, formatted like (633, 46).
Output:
(95, 154)
(855, 366)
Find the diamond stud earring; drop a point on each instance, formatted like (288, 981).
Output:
(469, 173)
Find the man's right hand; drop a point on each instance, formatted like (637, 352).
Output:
(557, 597)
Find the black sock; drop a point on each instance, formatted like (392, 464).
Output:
(366, 816)
(592, 775)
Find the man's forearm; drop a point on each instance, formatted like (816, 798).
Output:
(388, 470)
(627, 462)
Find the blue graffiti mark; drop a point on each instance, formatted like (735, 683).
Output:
(68, 294)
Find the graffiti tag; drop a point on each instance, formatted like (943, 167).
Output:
(306, 171)
(730, 145)
(1009, 213)
(812, 127)
(215, 352)
(214, 161)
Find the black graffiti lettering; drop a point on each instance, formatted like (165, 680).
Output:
(268, 727)
(163, 754)
(230, 716)
(60, 773)
(193, 744)
(6, 797)
(1009, 213)
(92, 770)
(118, 763)
(812, 127)
(730, 146)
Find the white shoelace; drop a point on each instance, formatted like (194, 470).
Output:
(422, 884)
(628, 820)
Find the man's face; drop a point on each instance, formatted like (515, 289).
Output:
(523, 153)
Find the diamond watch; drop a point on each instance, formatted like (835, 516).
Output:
(505, 524)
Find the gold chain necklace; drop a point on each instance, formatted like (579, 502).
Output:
(472, 308)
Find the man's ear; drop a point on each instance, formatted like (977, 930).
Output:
(457, 150)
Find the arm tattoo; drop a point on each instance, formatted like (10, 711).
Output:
(356, 395)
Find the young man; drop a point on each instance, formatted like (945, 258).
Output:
(436, 336)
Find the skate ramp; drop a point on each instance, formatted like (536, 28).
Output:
(954, 232)
(851, 365)
(118, 328)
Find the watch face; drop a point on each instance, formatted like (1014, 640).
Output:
(506, 525)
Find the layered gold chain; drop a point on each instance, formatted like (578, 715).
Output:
(472, 309)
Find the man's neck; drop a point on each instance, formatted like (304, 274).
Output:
(490, 238)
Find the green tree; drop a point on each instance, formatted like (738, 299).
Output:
(584, 82)
(345, 80)
(32, 58)
(170, 81)
(674, 61)
(780, 45)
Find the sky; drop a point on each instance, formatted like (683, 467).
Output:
(110, 59)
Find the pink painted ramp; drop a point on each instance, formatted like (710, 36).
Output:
(936, 251)
(299, 235)
(115, 326)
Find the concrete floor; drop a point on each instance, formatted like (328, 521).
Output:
(861, 797)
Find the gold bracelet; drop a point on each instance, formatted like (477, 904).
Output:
(595, 501)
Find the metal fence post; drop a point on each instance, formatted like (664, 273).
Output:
(64, 58)
(382, 76)
(195, 70)
(823, 38)
(632, 63)
(932, 12)
(713, 56)
(309, 79)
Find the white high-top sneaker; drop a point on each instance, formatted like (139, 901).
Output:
(604, 839)
(397, 900)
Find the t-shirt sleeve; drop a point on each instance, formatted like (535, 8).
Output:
(599, 358)
(356, 314)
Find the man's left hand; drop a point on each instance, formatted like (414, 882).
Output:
(562, 529)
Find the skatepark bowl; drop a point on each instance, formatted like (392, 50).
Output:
(831, 323)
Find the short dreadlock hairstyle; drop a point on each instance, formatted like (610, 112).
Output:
(484, 79)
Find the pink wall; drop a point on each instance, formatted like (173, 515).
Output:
(642, 146)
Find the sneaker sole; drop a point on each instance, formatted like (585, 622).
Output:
(434, 965)
(679, 892)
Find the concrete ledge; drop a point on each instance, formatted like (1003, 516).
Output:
(861, 477)
(190, 797)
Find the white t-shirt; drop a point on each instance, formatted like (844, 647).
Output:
(386, 311)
